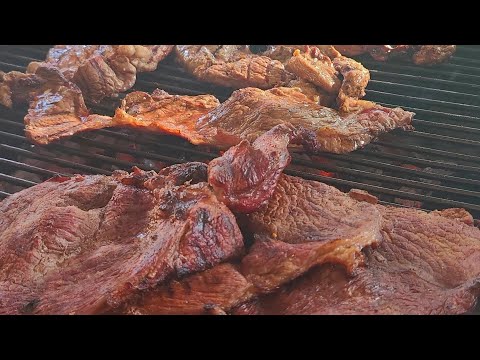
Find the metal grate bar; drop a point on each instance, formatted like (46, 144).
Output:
(4, 194)
(29, 168)
(55, 160)
(17, 181)
(381, 190)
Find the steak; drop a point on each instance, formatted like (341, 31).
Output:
(57, 88)
(250, 112)
(419, 54)
(59, 113)
(417, 263)
(426, 264)
(162, 112)
(90, 244)
(87, 244)
(306, 223)
(98, 70)
(232, 65)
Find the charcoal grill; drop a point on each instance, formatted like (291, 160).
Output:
(434, 167)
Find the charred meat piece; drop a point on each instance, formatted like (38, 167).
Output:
(314, 66)
(69, 58)
(246, 175)
(250, 112)
(426, 264)
(98, 70)
(378, 52)
(306, 223)
(87, 244)
(419, 54)
(433, 54)
(232, 65)
(18, 88)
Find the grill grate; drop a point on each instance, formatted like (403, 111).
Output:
(434, 167)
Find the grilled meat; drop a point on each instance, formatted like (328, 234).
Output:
(62, 114)
(433, 54)
(86, 244)
(247, 114)
(306, 223)
(162, 112)
(232, 65)
(98, 70)
(419, 54)
(250, 112)
(209, 292)
(425, 264)
(244, 185)
(315, 68)
(311, 69)
(422, 264)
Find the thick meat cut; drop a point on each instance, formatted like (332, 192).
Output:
(306, 223)
(86, 244)
(60, 112)
(89, 244)
(57, 88)
(426, 264)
